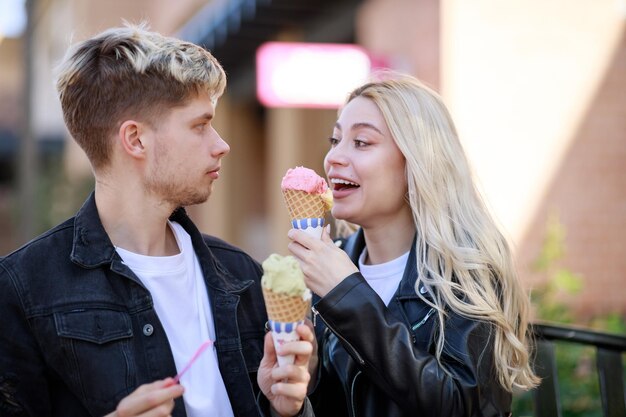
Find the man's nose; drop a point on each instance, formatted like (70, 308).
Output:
(220, 148)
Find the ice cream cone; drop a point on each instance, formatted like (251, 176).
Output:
(284, 333)
(302, 205)
(287, 299)
(312, 227)
(285, 312)
(285, 308)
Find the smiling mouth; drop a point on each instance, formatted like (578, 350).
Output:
(340, 184)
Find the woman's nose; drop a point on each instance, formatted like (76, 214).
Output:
(336, 156)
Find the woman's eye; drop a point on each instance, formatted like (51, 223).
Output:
(358, 143)
(333, 141)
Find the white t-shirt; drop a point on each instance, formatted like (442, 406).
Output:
(176, 284)
(383, 278)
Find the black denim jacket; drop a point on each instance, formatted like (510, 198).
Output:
(79, 331)
(380, 361)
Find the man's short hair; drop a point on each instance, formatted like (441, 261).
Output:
(130, 73)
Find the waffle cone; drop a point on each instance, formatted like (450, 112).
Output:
(285, 308)
(302, 205)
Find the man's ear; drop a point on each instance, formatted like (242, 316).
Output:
(131, 138)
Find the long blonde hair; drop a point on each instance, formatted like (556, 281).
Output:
(462, 257)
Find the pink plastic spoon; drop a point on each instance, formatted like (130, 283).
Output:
(195, 356)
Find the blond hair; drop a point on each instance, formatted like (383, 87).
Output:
(129, 72)
(462, 257)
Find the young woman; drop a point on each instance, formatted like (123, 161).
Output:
(421, 313)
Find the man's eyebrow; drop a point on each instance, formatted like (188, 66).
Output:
(205, 116)
(360, 125)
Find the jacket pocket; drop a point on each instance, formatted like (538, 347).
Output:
(96, 351)
(95, 326)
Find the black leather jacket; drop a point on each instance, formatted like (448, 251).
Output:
(380, 361)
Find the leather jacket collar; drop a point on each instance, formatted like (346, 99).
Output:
(354, 246)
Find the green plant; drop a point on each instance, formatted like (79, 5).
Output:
(576, 367)
(558, 280)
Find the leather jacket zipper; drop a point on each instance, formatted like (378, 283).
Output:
(352, 393)
(345, 342)
(424, 320)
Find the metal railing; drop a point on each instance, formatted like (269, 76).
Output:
(609, 350)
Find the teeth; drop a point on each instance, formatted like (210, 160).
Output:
(340, 181)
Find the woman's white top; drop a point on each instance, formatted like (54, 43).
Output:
(383, 278)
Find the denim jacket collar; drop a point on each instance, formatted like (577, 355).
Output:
(92, 248)
(216, 275)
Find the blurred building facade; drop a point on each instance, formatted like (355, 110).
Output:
(538, 91)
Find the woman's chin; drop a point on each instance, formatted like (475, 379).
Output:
(341, 213)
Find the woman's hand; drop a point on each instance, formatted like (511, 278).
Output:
(150, 400)
(286, 386)
(323, 263)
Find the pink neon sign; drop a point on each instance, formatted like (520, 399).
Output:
(317, 75)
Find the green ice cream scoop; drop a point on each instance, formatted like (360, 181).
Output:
(282, 274)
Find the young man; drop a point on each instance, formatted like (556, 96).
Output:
(121, 295)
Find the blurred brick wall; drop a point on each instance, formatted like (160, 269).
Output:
(588, 195)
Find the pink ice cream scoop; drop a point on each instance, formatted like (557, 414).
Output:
(307, 198)
(303, 179)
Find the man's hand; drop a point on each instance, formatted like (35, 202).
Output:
(286, 386)
(150, 400)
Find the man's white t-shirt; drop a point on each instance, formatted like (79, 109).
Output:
(383, 278)
(178, 291)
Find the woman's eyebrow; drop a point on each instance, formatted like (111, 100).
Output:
(361, 125)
